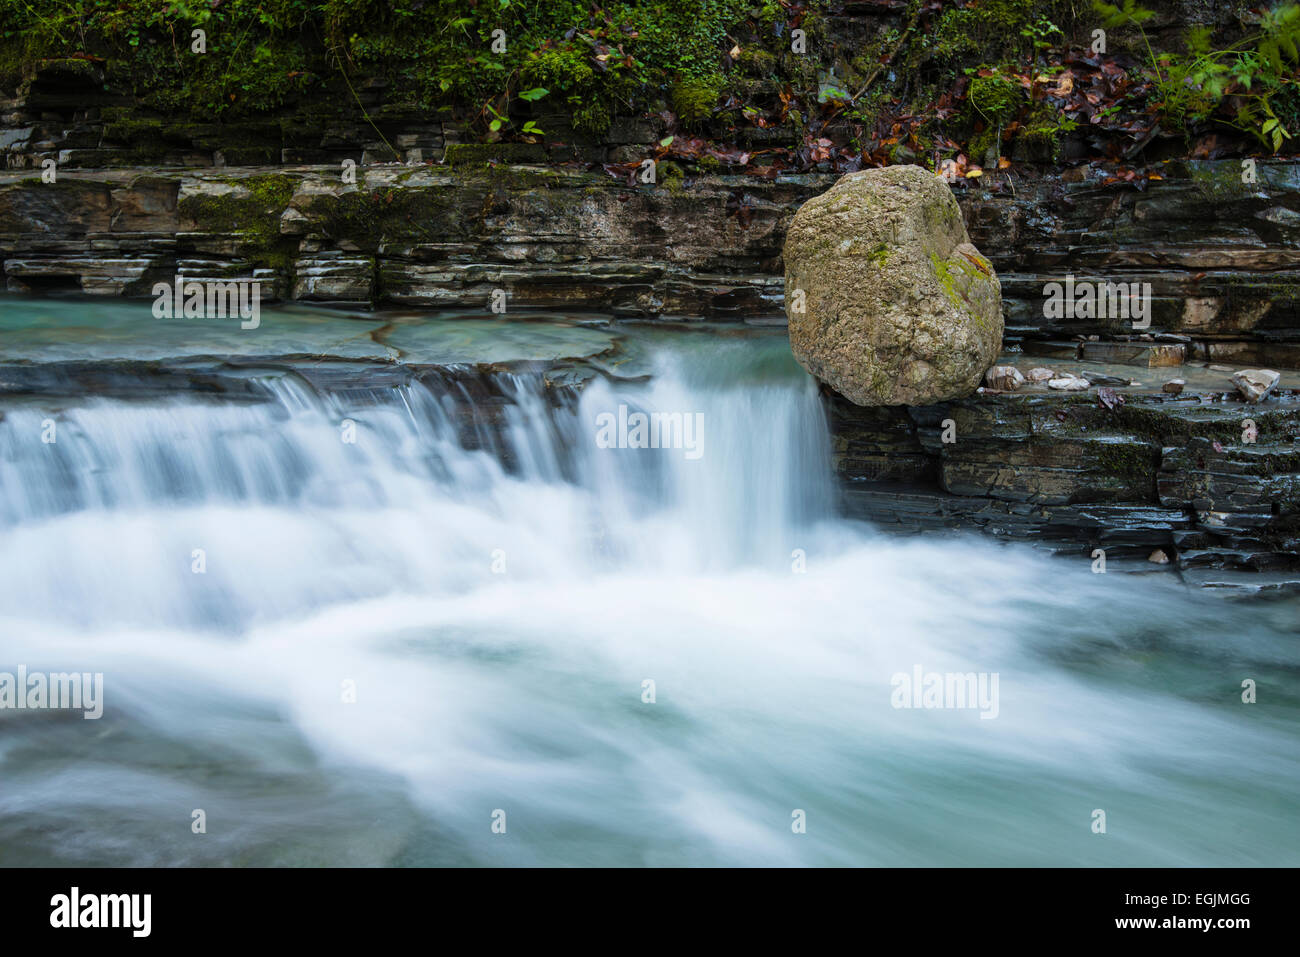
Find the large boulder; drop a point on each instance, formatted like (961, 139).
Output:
(888, 301)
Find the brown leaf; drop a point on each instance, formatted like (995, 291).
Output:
(1109, 398)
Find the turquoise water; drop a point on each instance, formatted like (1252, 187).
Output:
(497, 628)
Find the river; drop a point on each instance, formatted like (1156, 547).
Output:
(392, 649)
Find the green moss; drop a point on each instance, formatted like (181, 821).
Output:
(263, 55)
(1040, 136)
(478, 154)
(943, 271)
(371, 218)
(958, 274)
(995, 99)
(1131, 460)
(568, 73)
(1219, 181)
(980, 145)
(756, 61)
(992, 26)
(252, 212)
(693, 98)
(669, 176)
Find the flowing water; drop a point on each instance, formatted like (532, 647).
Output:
(359, 652)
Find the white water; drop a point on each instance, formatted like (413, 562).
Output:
(521, 690)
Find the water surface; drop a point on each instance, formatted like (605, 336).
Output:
(498, 627)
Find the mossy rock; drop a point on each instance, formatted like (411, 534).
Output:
(249, 208)
(888, 302)
(478, 154)
(693, 98)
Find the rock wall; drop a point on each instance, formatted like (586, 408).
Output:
(1158, 475)
(1222, 257)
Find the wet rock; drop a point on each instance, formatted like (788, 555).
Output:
(1004, 378)
(1040, 374)
(333, 278)
(1135, 353)
(293, 223)
(1148, 475)
(1068, 383)
(1174, 386)
(888, 302)
(1255, 384)
(1115, 381)
(1158, 557)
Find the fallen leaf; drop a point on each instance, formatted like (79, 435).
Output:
(1109, 398)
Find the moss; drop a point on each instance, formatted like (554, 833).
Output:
(995, 99)
(669, 176)
(252, 212)
(693, 98)
(943, 272)
(1132, 460)
(1039, 137)
(371, 218)
(957, 275)
(263, 55)
(755, 61)
(477, 154)
(67, 68)
(592, 96)
(1219, 181)
(990, 26)
(983, 143)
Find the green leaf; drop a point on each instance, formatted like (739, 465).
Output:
(494, 125)
(534, 94)
(1198, 39)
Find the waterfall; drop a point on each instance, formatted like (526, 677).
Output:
(351, 625)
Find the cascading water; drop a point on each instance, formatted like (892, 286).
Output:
(640, 655)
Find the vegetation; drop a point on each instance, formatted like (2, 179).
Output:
(966, 81)
(1256, 74)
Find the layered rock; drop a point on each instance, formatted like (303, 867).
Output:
(1210, 480)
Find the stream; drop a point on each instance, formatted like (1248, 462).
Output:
(388, 650)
